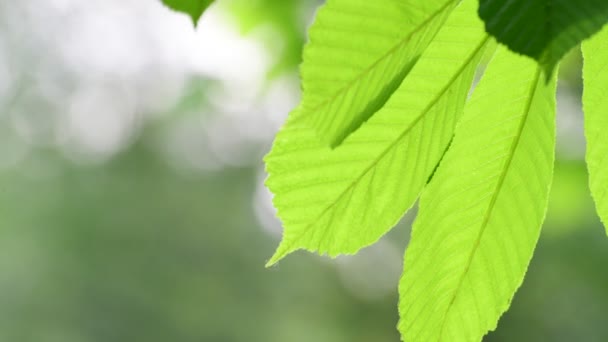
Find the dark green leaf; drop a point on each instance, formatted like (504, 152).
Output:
(193, 8)
(543, 29)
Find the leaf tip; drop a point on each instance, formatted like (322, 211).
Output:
(282, 252)
(194, 21)
(273, 260)
(196, 17)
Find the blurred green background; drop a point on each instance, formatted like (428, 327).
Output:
(132, 205)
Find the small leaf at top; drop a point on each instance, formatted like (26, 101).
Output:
(543, 29)
(193, 8)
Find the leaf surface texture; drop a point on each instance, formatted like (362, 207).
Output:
(358, 53)
(337, 201)
(480, 216)
(595, 106)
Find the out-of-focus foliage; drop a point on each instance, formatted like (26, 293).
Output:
(131, 251)
(280, 24)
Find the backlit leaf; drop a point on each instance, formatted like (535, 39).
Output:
(480, 216)
(358, 53)
(595, 106)
(337, 201)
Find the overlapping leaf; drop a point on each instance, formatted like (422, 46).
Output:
(595, 106)
(480, 216)
(543, 29)
(358, 54)
(338, 201)
(193, 8)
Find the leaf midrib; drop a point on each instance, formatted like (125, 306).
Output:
(491, 206)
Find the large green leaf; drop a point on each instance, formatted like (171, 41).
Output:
(358, 53)
(480, 216)
(543, 29)
(595, 106)
(338, 201)
(193, 8)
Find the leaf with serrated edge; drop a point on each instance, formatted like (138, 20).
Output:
(480, 216)
(543, 29)
(338, 201)
(595, 106)
(358, 53)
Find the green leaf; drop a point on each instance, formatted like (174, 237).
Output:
(358, 54)
(543, 29)
(480, 216)
(338, 201)
(193, 8)
(595, 106)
